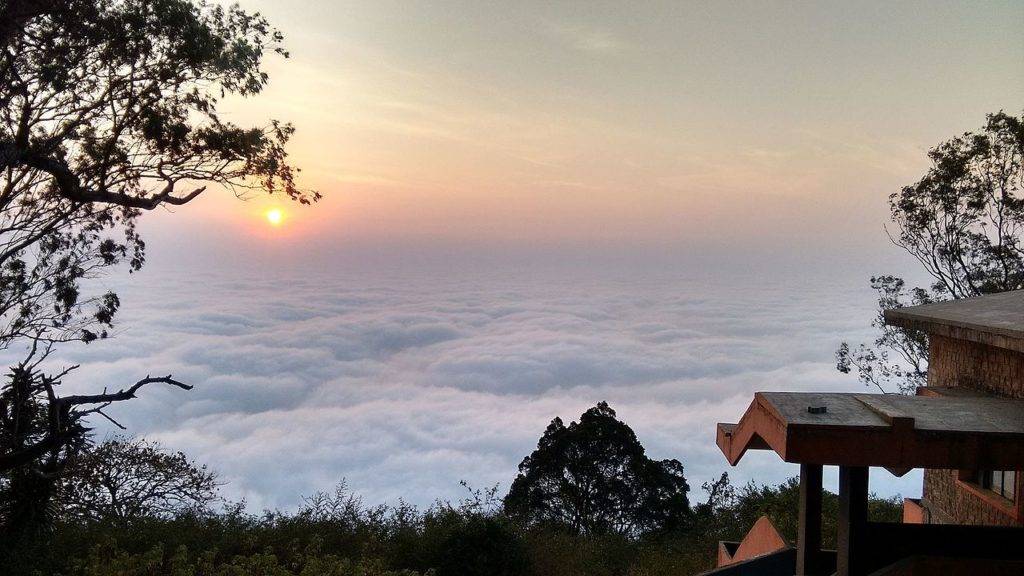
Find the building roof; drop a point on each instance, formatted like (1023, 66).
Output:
(762, 538)
(994, 319)
(891, 431)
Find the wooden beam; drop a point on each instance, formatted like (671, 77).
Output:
(808, 554)
(851, 543)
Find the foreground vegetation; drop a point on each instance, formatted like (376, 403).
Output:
(336, 534)
(587, 501)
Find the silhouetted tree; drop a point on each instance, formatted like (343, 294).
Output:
(40, 433)
(594, 477)
(108, 109)
(32, 453)
(42, 430)
(125, 478)
(963, 222)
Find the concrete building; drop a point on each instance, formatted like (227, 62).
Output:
(965, 429)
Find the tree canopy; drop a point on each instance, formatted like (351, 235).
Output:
(963, 223)
(108, 109)
(126, 478)
(593, 476)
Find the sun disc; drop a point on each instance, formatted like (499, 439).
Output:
(275, 216)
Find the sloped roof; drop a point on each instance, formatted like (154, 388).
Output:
(891, 431)
(762, 538)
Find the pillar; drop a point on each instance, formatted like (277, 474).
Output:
(808, 549)
(851, 547)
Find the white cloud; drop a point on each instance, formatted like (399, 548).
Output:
(406, 385)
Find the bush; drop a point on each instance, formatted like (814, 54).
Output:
(335, 534)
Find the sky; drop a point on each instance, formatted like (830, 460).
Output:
(657, 131)
(530, 207)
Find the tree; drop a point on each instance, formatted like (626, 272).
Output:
(125, 478)
(40, 433)
(963, 223)
(594, 477)
(109, 109)
(729, 512)
(36, 424)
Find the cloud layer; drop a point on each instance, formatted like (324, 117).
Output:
(407, 384)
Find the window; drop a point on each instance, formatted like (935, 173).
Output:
(1001, 482)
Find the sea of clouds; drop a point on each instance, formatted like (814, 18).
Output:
(408, 382)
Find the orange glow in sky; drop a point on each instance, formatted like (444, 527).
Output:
(666, 126)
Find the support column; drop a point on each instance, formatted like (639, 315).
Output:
(808, 547)
(851, 547)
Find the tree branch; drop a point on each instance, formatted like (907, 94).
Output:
(122, 394)
(69, 187)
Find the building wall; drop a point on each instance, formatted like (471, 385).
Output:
(978, 366)
(913, 511)
(948, 500)
(961, 363)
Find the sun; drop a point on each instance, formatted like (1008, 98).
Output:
(275, 216)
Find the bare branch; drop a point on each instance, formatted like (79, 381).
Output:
(122, 394)
(114, 422)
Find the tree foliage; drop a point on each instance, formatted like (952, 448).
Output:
(593, 477)
(42, 430)
(335, 533)
(124, 478)
(109, 108)
(730, 511)
(29, 461)
(963, 223)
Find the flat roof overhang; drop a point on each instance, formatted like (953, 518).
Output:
(891, 431)
(992, 319)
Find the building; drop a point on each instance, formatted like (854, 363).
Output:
(965, 429)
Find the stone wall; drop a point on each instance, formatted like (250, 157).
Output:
(978, 366)
(961, 363)
(947, 500)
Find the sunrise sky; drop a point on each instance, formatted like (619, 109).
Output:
(530, 207)
(674, 128)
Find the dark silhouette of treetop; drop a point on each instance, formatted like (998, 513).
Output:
(594, 477)
(963, 222)
(108, 109)
(125, 478)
